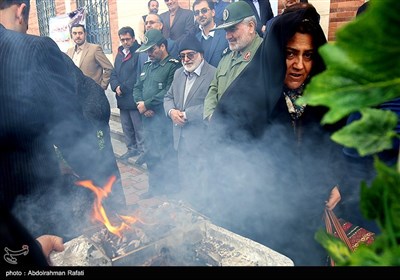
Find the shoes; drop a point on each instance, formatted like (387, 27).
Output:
(141, 159)
(129, 154)
(146, 195)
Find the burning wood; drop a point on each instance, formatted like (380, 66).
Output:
(169, 234)
(194, 243)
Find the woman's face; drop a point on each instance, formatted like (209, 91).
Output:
(299, 60)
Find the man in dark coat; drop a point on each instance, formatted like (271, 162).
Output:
(122, 81)
(40, 109)
(263, 12)
(177, 22)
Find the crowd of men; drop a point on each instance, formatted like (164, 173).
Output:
(180, 96)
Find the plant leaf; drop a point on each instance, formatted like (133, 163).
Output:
(362, 66)
(371, 134)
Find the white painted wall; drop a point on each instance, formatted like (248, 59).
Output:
(323, 8)
(130, 13)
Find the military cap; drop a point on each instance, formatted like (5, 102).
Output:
(151, 38)
(235, 13)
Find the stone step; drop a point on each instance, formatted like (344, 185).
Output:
(119, 148)
(115, 115)
(116, 130)
(118, 139)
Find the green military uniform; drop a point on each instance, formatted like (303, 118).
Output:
(228, 69)
(232, 63)
(151, 87)
(154, 81)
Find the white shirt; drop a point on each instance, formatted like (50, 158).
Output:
(126, 52)
(257, 5)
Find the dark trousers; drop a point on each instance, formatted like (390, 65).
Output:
(131, 122)
(161, 158)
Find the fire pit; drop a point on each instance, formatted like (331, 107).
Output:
(167, 234)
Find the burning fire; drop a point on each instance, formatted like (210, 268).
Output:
(99, 212)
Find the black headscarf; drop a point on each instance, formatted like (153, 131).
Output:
(246, 107)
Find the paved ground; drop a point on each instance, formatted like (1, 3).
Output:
(134, 178)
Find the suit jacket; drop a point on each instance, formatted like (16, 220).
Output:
(194, 129)
(182, 25)
(94, 63)
(39, 108)
(265, 11)
(213, 53)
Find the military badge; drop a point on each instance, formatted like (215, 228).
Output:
(225, 15)
(145, 40)
(247, 56)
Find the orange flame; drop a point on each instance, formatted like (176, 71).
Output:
(99, 213)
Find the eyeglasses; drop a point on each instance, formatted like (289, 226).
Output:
(125, 39)
(203, 11)
(189, 55)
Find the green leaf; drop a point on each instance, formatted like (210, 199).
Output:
(371, 134)
(362, 65)
(372, 39)
(335, 247)
(381, 201)
(362, 73)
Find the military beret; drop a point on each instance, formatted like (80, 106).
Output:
(235, 13)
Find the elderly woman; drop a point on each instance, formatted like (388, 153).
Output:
(305, 155)
(276, 166)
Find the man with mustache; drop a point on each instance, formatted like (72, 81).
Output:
(213, 42)
(149, 91)
(240, 25)
(184, 105)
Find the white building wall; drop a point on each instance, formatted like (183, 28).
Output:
(323, 8)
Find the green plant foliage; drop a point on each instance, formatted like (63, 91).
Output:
(362, 73)
(362, 65)
(381, 201)
(372, 134)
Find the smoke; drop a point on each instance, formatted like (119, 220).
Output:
(273, 189)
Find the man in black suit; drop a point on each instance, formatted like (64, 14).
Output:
(263, 12)
(19, 245)
(178, 22)
(40, 108)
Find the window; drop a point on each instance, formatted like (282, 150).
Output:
(45, 10)
(97, 22)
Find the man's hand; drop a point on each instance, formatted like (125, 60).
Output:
(141, 107)
(177, 117)
(118, 91)
(149, 113)
(50, 243)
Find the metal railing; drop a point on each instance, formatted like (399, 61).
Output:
(97, 23)
(46, 9)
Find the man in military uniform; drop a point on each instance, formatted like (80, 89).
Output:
(240, 25)
(149, 91)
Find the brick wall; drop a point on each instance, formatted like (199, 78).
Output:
(33, 27)
(341, 12)
(112, 9)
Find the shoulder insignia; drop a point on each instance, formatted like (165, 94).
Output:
(226, 51)
(173, 60)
